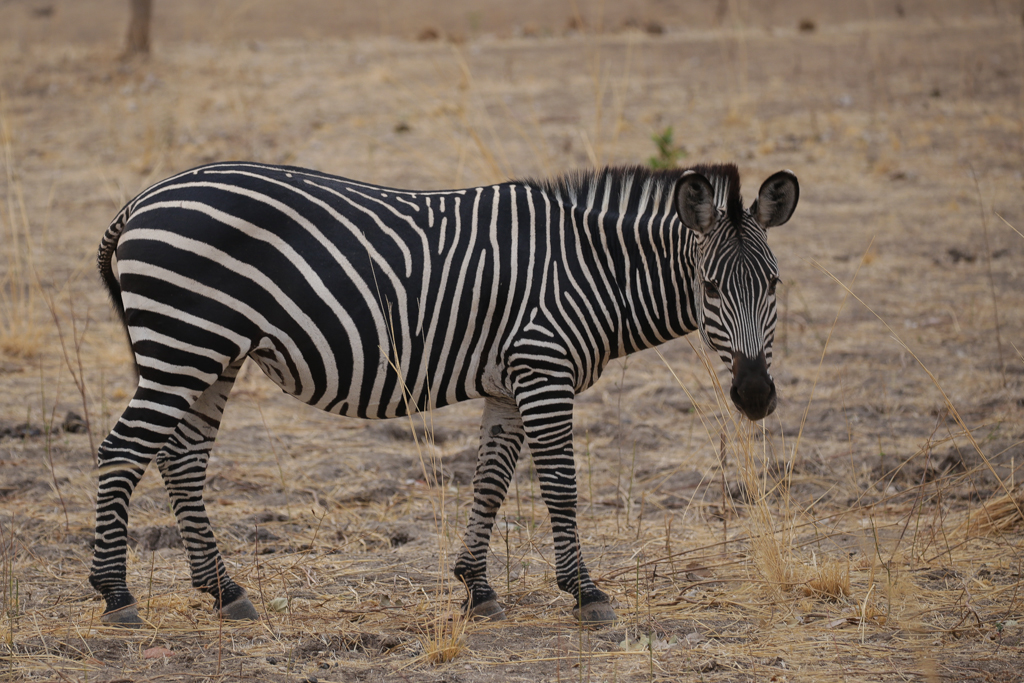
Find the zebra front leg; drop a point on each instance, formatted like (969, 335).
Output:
(183, 468)
(501, 439)
(135, 440)
(546, 410)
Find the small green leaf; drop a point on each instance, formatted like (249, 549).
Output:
(668, 152)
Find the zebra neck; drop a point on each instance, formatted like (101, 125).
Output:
(648, 260)
(657, 276)
(644, 254)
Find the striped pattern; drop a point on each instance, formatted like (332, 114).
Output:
(373, 302)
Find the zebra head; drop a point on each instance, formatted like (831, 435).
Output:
(736, 273)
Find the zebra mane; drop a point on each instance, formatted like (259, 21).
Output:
(585, 187)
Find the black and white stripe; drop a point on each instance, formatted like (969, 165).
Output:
(373, 302)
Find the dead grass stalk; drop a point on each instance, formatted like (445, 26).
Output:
(20, 333)
(988, 271)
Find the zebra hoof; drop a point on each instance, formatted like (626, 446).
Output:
(595, 614)
(126, 617)
(240, 609)
(487, 611)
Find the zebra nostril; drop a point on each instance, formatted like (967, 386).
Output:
(754, 389)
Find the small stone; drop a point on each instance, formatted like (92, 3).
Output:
(261, 534)
(268, 516)
(73, 423)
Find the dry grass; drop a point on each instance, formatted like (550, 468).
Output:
(444, 638)
(20, 332)
(869, 530)
(998, 515)
(829, 580)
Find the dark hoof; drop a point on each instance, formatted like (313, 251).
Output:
(595, 614)
(487, 611)
(126, 617)
(240, 609)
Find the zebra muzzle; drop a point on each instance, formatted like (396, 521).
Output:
(753, 390)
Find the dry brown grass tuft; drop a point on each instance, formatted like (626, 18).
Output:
(998, 515)
(769, 520)
(829, 580)
(444, 637)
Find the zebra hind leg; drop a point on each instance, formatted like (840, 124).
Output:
(139, 435)
(501, 439)
(182, 465)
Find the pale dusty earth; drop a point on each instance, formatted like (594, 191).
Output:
(898, 356)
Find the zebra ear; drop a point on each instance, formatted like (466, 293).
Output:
(695, 202)
(776, 200)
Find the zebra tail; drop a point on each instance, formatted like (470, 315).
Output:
(104, 261)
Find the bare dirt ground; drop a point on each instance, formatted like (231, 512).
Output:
(871, 532)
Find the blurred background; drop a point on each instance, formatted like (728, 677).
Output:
(219, 21)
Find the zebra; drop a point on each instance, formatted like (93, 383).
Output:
(373, 302)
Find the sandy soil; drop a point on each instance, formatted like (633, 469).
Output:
(902, 406)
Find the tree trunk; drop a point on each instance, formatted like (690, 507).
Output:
(138, 28)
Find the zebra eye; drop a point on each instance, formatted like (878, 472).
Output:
(710, 288)
(772, 285)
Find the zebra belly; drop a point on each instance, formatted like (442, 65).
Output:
(279, 367)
